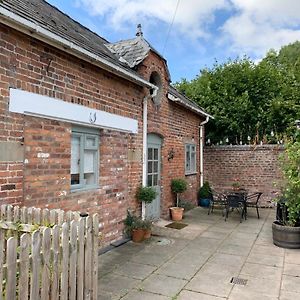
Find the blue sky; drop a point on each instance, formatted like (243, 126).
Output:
(203, 30)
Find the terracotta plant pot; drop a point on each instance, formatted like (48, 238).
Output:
(286, 236)
(176, 213)
(147, 234)
(137, 235)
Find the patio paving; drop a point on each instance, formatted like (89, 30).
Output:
(199, 261)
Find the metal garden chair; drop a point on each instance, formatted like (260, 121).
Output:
(252, 201)
(218, 199)
(235, 201)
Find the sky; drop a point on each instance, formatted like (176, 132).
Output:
(193, 34)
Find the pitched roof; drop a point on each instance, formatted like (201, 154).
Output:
(125, 55)
(134, 51)
(57, 22)
(175, 96)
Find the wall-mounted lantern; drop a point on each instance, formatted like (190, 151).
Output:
(171, 154)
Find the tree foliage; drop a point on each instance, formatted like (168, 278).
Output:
(248, 99)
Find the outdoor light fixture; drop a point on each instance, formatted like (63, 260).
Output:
(297, 124)
(272, 133)
(171, 154)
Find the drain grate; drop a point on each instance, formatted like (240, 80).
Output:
(237, 280)
(164, 242)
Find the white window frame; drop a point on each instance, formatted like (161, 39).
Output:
(84, 133)
(188, 167)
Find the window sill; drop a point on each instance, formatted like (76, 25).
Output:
(84, 189)
(191, 174)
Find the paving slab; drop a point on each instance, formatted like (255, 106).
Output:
(242, 293)
(134, 270)
(234, 249)
(175, 269)
(291, 269)
(189, 295)
(201, 266)
(264, 259)
(227, 259)
(291, 283)
(269, 250)
(163, 285)
(116, 285)
(284, 295)
(214, 268)
(292, 256)
(256, 270)
(263, 286)
(211, 284)
(141, 295)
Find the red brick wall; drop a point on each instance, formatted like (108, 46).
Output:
(176, 126)
(255, 167)
(43, 178)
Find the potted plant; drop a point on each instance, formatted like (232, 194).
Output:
(204, 194)
(147, 225)
(137, 228)
(178, 186)
(146, 194)
(286, 228)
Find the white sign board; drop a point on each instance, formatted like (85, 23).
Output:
(46, 107)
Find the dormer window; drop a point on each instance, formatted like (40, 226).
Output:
(156, 80)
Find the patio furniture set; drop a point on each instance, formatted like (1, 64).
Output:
(230, 200)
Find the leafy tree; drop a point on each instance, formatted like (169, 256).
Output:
(249, 99)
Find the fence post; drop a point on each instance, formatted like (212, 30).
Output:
(11, 268)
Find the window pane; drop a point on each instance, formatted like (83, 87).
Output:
(155, 167)
(150, 167)
(155, 177)
(75, 159)
(187, 160)
(150, 153)
(193, 162)
(75, 179)
(155, 154)
(89, 178)
(90, 142)
(149, 180)
(89, 161)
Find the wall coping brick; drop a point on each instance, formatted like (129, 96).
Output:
(268, 147)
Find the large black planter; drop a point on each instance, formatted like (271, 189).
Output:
(286, 236)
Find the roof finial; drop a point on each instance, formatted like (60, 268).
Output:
(139, 30)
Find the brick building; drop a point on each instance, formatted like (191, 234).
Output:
(84, 122)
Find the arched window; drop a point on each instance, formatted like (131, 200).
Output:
(156, 80)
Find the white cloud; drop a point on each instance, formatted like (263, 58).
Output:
(191, 17)
(252, 27)
(260, 25)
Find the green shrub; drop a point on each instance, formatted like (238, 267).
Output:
(146, 194)
(204, 192)
(291, 189)
(179, 185)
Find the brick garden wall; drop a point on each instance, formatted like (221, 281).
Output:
(255, 167)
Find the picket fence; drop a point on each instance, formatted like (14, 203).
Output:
(47, 254)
